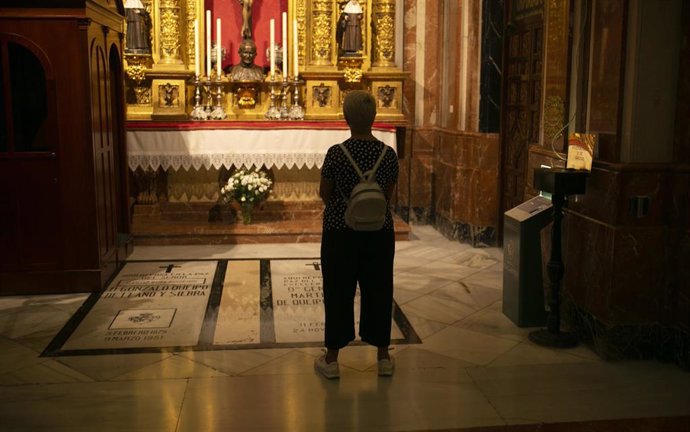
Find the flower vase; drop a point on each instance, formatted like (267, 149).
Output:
(247, 213)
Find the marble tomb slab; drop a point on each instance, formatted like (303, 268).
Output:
(208, 305)
(298, 311)
(151, 304)
(239, 312)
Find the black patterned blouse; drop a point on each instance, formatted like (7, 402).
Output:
(338, 169)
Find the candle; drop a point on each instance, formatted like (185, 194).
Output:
(208, 43)
(218, 49)
(285, 51)
(295, 57)
(273, 47)
(196, 48)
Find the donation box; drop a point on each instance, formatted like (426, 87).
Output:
(523, 290)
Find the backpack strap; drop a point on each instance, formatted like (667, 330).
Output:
(369, 174)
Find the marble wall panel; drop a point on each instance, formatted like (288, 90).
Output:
(446, 150)
(463, 199)
(652, 184)
(466, 169)
(421, 181)
(424, 140)
(432, 62)
(444, 189)
(473, 61)
(664, 189)
(466, 150)
(488, 151)
(487, 198)
(602, 187)
(588, 257)
(627, 275)
(402, 192)
(639, 277)
(409, 55)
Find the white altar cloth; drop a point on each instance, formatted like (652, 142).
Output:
(196, 146)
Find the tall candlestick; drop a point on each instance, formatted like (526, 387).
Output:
(295, 57)
(196, 48)
(273, 47)
(208, 43)
(218, 49)
(285, 50)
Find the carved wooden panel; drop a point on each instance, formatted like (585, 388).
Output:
(522, 96)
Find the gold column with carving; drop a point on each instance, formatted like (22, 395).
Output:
(191, 16)
(170, 32)
(322, 34)
(384, 33)
(555, 78)
(300, 14)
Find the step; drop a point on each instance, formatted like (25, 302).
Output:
(148, 229)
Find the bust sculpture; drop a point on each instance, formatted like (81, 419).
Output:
(246, 70)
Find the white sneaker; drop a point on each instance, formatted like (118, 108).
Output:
(386, 366)
(328, 370)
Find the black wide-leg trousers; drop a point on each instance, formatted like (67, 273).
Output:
(349, 257)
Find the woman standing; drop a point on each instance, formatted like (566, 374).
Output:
(350, 257)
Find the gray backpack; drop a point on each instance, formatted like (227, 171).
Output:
(367, 205)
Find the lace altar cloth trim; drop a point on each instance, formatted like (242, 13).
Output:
(208, 148)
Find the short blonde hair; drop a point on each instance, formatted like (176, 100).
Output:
(359, 109)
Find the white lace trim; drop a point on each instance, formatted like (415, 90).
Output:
(287, 160)
(291, 148)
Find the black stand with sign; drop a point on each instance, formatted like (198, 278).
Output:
(560, 183)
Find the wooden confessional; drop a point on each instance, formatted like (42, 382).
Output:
(64, 219)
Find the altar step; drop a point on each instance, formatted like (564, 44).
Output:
(208, 223)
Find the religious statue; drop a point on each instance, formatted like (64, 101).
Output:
(246, 18)
(138, 28)
(349, 31)
(247, 70)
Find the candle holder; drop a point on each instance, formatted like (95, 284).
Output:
(218, 112)
(198, 113)
(207, 97)
(284, 114)
(273, 113)
(296, 111)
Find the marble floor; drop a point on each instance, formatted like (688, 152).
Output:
(473, 367)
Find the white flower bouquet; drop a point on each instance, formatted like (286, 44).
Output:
(247, 186)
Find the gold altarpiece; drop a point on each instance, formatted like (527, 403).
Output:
(160, 85)
(160, 94)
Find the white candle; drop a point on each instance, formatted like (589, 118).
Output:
(285, 50)
(218, 49)
(273, 47)
(208, 43)
(196, 48)
(295, 57)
